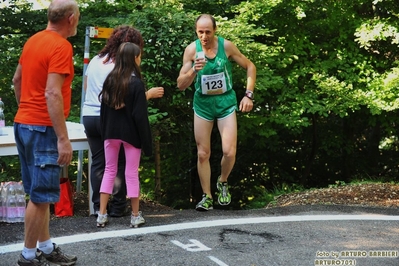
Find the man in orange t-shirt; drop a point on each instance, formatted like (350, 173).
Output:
(46, 52)
(42, 84)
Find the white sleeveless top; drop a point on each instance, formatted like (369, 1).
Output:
(96, 73)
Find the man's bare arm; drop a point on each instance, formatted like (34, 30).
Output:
(246, 104)
(244, 62)
(55, 107)
(16, 80)
(187, 74)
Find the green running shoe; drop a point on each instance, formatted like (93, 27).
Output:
(224, 197)
(205, 204)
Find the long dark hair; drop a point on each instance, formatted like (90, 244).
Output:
(117, 82)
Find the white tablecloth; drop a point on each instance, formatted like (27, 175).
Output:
(75, 132)
(78, 141)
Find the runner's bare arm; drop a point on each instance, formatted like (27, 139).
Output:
(235, 54)
(187, 74)
(232, 51)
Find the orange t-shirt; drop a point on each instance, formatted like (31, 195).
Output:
(45, 52)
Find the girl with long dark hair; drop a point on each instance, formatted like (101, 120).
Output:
(124, 121)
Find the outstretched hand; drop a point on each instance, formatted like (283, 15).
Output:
(156, 92)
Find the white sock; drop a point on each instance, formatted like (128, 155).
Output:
(29, 253)
(46, 247)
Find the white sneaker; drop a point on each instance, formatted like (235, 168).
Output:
(102, 220)
(136, 221)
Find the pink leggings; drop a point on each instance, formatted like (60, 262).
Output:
(132, 154)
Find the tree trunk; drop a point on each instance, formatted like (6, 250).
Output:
(312, 155)
(157, 158)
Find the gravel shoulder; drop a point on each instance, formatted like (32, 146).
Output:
(384, 195)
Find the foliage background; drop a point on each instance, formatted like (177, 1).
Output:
(326, 105)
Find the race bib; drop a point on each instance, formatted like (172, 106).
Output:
(213, 84)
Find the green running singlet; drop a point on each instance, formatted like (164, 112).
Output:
(214, 97)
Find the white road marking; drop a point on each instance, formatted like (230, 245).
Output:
(201, 224)
(219, 262)
(194, 247)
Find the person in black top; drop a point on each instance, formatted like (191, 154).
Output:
(124, 121)
(96, 73)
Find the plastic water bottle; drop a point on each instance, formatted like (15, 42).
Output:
(21, 202)
(2, 118)
(4, 201)
(19, 189)
(12, 210)
(11, 204)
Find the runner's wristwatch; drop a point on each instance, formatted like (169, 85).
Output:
(249, 94)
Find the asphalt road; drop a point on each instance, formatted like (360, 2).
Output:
(304, 235)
